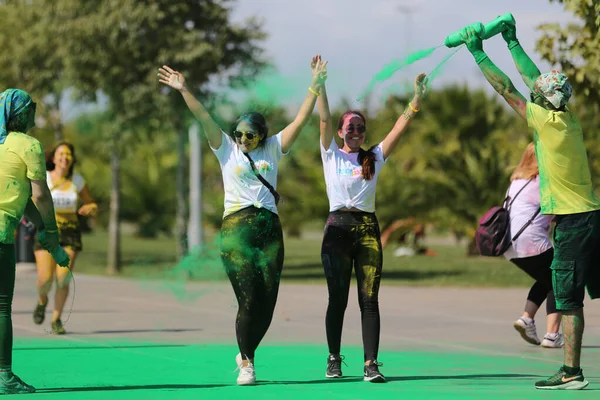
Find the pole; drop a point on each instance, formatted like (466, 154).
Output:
(195, 231)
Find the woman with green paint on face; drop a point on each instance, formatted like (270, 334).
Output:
(352, 237)
(566, 192)
(252, 248)
(23, 179)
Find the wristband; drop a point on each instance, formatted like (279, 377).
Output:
(310, 89)
(415, 110)
(513, 43)
(480, 57)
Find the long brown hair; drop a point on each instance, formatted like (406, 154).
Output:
(366, 158)
(528, 167)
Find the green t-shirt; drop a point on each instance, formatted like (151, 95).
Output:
(565, 179)
(21, 160)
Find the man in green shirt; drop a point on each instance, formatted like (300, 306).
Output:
(565, 191)
(22, 180)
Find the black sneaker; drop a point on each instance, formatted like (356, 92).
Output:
(334, 366)
(39, 313)
(12, 384)
(372, 373)
(562, 380)
(57, 327)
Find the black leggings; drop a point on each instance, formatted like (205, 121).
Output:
(352, 239)
(538, 267)
(252, 253)
(7, 288)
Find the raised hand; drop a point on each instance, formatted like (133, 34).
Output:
(472, 40)
(319, 70)
(509, 34)
(421, 85)
(170, 77)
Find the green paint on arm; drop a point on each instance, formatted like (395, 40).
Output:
(527, 68)
(494, 75)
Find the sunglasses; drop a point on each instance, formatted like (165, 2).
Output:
(359, 129)
(249, 135)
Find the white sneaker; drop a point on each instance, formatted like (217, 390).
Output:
(247, 375)
(527, 331)
(553, 343)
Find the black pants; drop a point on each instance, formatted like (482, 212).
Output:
(538, 267)
(352, 239)
(252, 253)
(7, 288)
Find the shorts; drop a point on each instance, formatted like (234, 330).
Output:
(69, 235)
(576, 263)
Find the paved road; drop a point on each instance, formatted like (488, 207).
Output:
(444, 319)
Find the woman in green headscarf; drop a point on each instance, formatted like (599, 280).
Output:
(23, 180)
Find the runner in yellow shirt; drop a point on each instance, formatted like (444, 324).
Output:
(565, 191)
(22, 181)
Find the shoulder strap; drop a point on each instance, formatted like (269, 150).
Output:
(519, 192)
(526, 225)
(263, 180)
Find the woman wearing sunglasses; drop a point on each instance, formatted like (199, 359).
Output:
(352, 236)
(252, 246)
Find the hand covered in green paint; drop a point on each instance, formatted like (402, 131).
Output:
(319, 71)
(170, 77)
(50, 242)
(509, 33)
(472, 40)
(48, 239)
(421, 86)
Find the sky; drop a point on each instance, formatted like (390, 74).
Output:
(359, 37)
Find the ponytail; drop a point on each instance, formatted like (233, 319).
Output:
(366, 158)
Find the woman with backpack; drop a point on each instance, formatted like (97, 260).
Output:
(532, 250)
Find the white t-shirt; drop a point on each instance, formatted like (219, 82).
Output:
(66, 196)
(242, 187)
(535, 239)
(343, 177)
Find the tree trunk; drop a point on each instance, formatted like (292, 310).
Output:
(114, 230)
(181, 216)
(57, 120)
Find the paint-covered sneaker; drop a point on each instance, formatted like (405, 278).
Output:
(527, 331)
(58, 328)
(12, 384)
(563, 381)
(553, 342)
(372, 373)
(39, 314)
(334, 366)
(247, 375)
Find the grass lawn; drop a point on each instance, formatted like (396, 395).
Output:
(155, 259)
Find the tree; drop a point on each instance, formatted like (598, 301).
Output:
(116, 48)
(450, 166)
(32, 59)
(575, 47)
